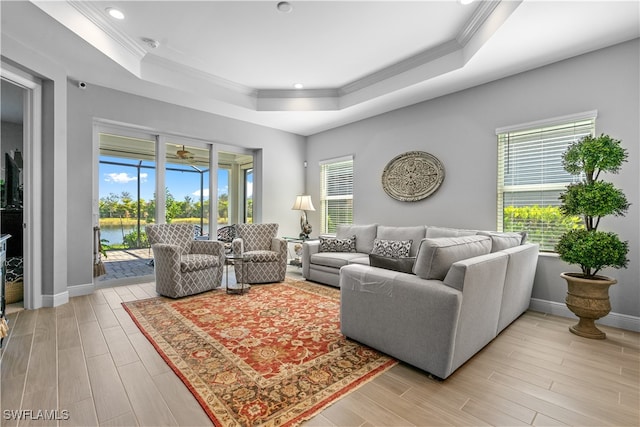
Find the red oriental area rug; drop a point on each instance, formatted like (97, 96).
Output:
(273, 356)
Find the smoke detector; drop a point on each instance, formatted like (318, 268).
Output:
(153, 44)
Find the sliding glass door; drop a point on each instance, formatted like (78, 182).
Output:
(248, 193)
(127, 190)
(134, 166)
(187, 186)
(235, 188)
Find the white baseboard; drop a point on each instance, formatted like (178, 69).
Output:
(616, 320)
(79, 290)
(55, 300)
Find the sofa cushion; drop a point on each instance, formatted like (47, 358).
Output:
(403, 265)
(505, 240)
(392, 248)
(260, 256)
(335, 259)
(194, 262)
(363, 259)
(364, 235)
(435, 256)
(415, 233)
(435, 232)
(334, 244)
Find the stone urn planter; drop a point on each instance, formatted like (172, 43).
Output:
(591, 199)
(589, 300)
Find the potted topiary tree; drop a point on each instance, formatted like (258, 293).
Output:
(592, 250)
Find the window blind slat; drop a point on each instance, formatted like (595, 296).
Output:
(336, 194)
(531, 178)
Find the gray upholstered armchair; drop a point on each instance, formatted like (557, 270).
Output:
(264, 255)
(184, 266)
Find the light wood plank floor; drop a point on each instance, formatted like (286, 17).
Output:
(88, 358)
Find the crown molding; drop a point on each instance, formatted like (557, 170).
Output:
(94, 14)
(475, 22)
(469, 29)
(408, 64)
(297, 93)
(82, 21)
(196, 74)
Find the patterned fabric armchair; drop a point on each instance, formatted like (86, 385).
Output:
(265, 255)
(184, 266)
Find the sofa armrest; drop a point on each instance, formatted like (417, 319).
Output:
(308, 249)
(481, 280)
(166, 261)
(400, 314)
(518, 282)
(280, 245)
(237, 246)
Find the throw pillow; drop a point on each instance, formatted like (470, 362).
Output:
(403, 265)
(392, 248)
(333, 244)
(364, 235)
(415, 233)
(504, 240)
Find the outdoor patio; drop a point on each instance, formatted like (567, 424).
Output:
(122, 265)
(127, 263)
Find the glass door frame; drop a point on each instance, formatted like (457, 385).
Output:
(161, 141)
(161, 165)
(237, 197)
(114, 129)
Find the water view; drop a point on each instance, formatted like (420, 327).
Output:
(114, 234)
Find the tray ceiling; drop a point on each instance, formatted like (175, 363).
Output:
(355, 58)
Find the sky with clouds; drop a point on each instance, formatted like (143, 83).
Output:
(116, 179)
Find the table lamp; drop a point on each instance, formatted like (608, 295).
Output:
(303, 203)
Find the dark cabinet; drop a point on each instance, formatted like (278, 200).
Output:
(11, 221)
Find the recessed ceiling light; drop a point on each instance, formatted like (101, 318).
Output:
(465, 2)
(115, 13)
(284, 7)
(298, 85)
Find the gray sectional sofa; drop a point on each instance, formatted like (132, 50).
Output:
(464, 288)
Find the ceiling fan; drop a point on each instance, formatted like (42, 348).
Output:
(184, 154)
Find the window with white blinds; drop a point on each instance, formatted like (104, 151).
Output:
(531, 177)
(336, 193)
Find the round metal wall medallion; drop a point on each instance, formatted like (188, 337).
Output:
(412, 176)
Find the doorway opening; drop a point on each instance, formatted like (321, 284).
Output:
(20, 205)
(126, 204)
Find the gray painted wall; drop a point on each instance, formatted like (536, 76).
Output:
(282, 154)
(459, 129)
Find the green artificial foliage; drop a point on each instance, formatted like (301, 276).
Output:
(593, 250)
(591, 199)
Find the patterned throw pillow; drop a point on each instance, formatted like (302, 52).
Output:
(392, 248)
(333, 244)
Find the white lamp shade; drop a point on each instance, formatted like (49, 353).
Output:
(303, 203)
